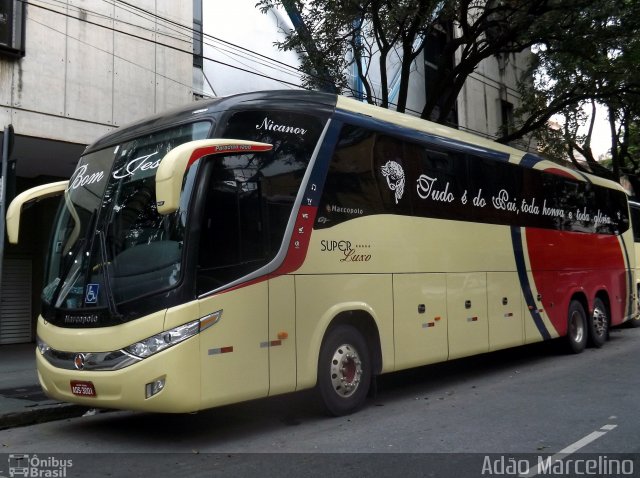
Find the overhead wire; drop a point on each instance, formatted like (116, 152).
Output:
(172, 47)
(212, 37)
(191, 31)
(185, 38)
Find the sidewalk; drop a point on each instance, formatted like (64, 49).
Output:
(22, 401)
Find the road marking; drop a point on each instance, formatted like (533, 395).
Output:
(574, 447)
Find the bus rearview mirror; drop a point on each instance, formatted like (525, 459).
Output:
(175, 164)
(34, 194)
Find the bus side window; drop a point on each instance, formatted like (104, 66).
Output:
(443, 181)
(350, 190)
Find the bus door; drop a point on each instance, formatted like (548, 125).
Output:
(231, 253)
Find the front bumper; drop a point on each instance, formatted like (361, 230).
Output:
(124, 389)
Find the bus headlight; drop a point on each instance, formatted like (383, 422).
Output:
(152, 345)
(42, 346)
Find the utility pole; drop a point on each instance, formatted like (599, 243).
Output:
(7, 146)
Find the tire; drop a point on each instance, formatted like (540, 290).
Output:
(344, 370)
(576, 327)
(598, 324)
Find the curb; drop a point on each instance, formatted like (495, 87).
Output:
(47, 413)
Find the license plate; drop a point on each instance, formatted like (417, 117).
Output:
(83, 388)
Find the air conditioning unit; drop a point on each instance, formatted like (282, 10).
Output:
(12, 17)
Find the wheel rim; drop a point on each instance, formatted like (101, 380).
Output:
(599, 321)
(346, 370)
(576, 326)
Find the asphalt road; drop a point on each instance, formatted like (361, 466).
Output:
(471, 417)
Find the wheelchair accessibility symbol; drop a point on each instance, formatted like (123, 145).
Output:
(91, 296)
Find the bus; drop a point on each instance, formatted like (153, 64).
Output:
(270, 242)
(634, 209)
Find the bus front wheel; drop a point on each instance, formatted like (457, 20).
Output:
(577, 327)
(598, 324)
(344, 370)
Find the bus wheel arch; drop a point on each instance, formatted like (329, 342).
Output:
(348, 360)
(599, 321)
(577, 324)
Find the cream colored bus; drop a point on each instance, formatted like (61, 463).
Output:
(270, 242)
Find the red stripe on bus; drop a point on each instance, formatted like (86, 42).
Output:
(225, 149)
(564, 263)
(561, 172)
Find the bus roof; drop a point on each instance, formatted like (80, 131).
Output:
(326, 103)
(312, 101)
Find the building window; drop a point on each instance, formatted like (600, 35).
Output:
(506, 110)
(197, 34)
(12, 28)
(434, 60)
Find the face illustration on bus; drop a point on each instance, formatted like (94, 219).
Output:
(394, 174)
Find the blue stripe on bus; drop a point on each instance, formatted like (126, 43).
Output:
(318, 174)
(530, 160)
(418, 136)
(516, 239)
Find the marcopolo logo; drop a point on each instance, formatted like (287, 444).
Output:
(38, 467)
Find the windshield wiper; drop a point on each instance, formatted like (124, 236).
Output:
(75, 252)
(113, 310)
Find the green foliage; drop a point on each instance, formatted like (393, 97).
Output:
(584, 51)
(335, 35)
(595, 61)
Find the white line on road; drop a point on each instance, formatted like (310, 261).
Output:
(574, 447)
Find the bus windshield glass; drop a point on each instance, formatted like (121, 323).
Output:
(109, 243)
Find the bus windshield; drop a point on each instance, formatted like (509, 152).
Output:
(109, 243)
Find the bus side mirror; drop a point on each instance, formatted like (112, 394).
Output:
(34, 194)
(174, 166)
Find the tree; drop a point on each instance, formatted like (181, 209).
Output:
(597, 62)
(334, 35)
(585, 52)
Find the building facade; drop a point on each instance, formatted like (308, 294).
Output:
(71, 71)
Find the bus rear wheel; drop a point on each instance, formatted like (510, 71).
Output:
(577, 327)
(598, 324)
(344, 370)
